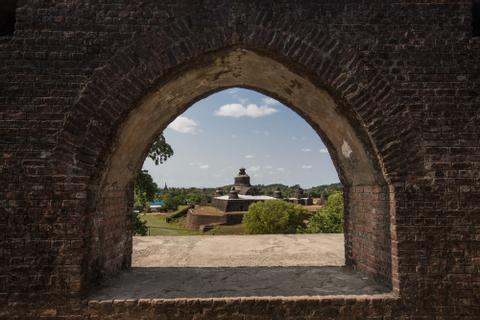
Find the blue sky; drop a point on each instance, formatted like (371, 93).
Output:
(242, 128)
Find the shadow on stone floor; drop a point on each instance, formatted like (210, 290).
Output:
(218, 282)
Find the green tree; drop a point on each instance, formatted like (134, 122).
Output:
(139, 227)
(274, 216)
(171, 201)
(330, 218)
(145, 189)
(144, 186)
(160, 150)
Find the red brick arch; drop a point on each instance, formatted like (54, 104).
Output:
(362, 96)
(115, 89)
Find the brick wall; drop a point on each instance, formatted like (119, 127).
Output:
(194, 221)
(367, 231)
(419, 106)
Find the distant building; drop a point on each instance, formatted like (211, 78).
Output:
(156, 206)
(241, 195)
(301, 199)
(229, 209)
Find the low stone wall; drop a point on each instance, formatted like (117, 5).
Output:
(194, 221)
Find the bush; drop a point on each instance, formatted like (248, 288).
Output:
(139, 227)
(274, 216)
(328, 219)
(171, 202)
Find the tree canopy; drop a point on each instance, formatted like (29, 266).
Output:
(160, 150)
(275, 216)
(144, 186)
(330, 218)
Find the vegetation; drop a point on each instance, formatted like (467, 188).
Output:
(145, 188)
(330, 218)
(180, 196)
(160, 227)
(275, 216)
(139, 226)
(262, 217)
(160, 150)
(290, 191)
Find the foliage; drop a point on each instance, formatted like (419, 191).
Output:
(274, 216)
(171, 201)
(160, 227)
(139, 227)
(179, 196)
(290, 191)
(330, 218)
(160, 150)
(144, 186)
(144, 190)
(202, 195)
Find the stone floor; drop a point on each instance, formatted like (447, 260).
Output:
(237, 266)
(239, 251)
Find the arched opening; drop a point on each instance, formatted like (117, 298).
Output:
(241, 139)
(368, 211)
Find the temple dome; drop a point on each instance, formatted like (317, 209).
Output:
(242, 179)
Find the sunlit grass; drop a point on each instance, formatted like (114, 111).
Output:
(158, 226)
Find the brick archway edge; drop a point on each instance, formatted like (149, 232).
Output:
(117, 87)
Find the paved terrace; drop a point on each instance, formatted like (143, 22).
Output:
(237, 266)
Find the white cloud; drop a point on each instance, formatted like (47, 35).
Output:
(233, 91)
(268, 167)
(199, 165)
(306, 150)
(281, 169)
(237, 110)
(323, 150)
(254, 168)
(183, 125)
(270, 101)
(249, 156)
(306, 166)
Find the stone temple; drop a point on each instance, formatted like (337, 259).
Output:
(241, 195)
(227, 209)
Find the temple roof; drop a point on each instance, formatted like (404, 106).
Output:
(247, 197)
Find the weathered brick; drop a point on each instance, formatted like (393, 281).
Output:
(407, 72)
